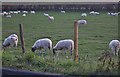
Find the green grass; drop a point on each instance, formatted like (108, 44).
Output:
(93, 39)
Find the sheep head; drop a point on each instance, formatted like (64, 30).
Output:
(33, 49)
(54, 51)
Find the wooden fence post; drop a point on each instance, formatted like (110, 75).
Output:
(76, 41)
(22, 38)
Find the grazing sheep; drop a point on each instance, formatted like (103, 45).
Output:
(112, 14)
(82, 22)
(25, 12)
(50, 18)
(96, 13)
(45, 14)
(83, 15)
(8, 16)
(62, 11)
(18, 11)
(12, 41)
(5, 13)
(114, 45)
(24, 15)
(108, 13)
(92, 12)
(15, 12)
(63, 45)
(32, 12)
(11, 12)
(44, 43)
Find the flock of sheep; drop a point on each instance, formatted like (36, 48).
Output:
(46, 43)
(51, 18)
(24, 13)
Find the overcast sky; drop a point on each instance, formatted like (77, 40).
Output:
(59, 0)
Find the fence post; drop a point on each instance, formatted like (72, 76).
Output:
(76, 41)
(22, 38)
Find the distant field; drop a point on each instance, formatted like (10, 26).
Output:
(93, 40)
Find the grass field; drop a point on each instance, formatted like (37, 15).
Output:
(93, 40)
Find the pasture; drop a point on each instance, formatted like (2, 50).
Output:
(94, 38)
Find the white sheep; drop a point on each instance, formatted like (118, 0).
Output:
(45, 14)
(66, 44)
(8, 16)
(18, 11)
(83, 15)
(96, 13)
(44, 43)
(62, 11)
(82, 22)
(108, 13)
(15, 12)
(24, 15)
(11, 12)
(12, 41)
(112, 14)
(32, 12)
(114, 45)
(25, 12)
(50, 18)
(92, 12)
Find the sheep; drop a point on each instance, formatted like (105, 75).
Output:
(11, 12)
(82, 22)
(5, 13)
(8, 16)
(25, 12)
(18, 11)
(92, 12)
(45, 14)
(32, 12)
(112, 14)
(108, 13)
(50, 18)
(44, 43)
(66, 44)
(62, 11)
(83, 15)
(24, 15)
(96, 13)
(114, 45)
(15, 12)
(12, 41)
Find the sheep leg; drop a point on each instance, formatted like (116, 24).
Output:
(117, 52)
(65, 52)
(113, 51)
(43, 53)
(15, 46)
(40, 53)
(71, 54)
